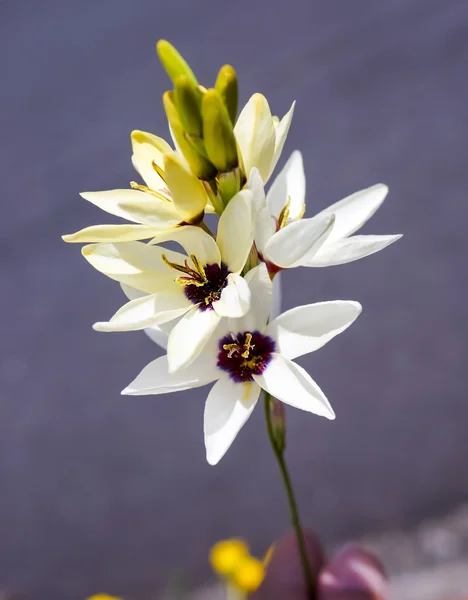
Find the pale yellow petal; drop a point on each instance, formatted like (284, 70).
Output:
(281, 133)
(135, 264)
(236, 231)
(111, 233)
(135, 206)
(255, 134)
(149, 150)
(188, 194)
(194, 241)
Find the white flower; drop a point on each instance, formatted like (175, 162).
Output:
(261, 136)
(284, 239)
(172, 195)
(203, 286)
(246, 355)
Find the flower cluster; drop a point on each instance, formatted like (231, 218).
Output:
(211, 303)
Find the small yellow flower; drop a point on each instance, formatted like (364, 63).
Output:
(103, 597)
(226, 555)
(241, 572)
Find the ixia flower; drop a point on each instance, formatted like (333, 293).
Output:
(248, 354)
(202, 286)
(284, 239)
(261, 136)
(172, 196)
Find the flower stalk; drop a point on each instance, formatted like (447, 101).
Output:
(278, 445)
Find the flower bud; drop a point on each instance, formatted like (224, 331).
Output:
(218, 134)
(188, 98)
(226, 86)
(199, 165)
(173, 62)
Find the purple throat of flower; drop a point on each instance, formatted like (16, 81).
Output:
(243, 355)
(203, 284)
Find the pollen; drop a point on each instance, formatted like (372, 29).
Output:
(243, 355)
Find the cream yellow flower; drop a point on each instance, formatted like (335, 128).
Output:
(261, 136)
(172, 196)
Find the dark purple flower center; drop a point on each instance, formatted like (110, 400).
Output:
(245, 354)
(203, 284)
(208, 289)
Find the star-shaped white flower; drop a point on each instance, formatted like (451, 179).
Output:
(284, 239)
(246, 355)
(172, 196)
(204, 285)
(261, 136)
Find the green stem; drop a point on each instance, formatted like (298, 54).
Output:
(296, 522)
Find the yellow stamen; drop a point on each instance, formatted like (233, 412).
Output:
(195, 276)
(284, 214)
(158, 170)
(248, 339)
(144, 188)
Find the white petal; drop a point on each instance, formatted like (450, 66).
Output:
(235, 231)
(188, 194)
(235, 297)
(227, 408)
(156, 379)
(276, 301)
(158, 334)
(265, 229)
(348, 249)
(136, 206)
(260, 301)
(111, 233)
(255, 134)
(189, 337)
(291, 384)
(304, 329)
(281, 133)
(147, 311)
(288, 247)
(148, 149)
(135, 264)
(289, 184)
(256, 186)
(352, 212)
(194, 241)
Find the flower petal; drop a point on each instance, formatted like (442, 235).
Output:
(289, 185)
(189, 337)
(149, 310)
(276, 300)
(281, 133)
(227, 408)
(260, 301)
(111, 233)
(235, 298)
(265, 229)
(155, 378)
(194, 241)
(291, 384)
(255, 134)
(289, 245)
(148, 149)
(304, 329)
(256, 186)
(235, 231)
(352, 212)
(136, 264)
(136, 206)
(348, 249)
(188, 194)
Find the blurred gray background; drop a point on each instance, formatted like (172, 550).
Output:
(103, 492)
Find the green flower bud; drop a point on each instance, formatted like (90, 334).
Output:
(173, 62)
(226, 86)
(199, 165)
(188, 98)
(218, 134)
